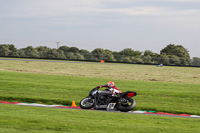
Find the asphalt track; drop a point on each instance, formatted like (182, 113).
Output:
(78, 108)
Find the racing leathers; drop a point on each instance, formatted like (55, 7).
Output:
(113, 89)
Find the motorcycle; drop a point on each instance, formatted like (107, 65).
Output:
(105, 100)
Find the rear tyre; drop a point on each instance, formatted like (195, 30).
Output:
(128, 106)
(87, 103)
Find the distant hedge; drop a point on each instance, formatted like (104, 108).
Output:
(170, 55)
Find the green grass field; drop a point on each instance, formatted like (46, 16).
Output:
(19, 119)
(59, 89)
(167, 89)
(113, 71)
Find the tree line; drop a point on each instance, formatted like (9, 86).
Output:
(170, 55)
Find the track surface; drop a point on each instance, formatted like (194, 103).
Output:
(130, 112)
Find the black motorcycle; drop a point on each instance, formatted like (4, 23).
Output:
(105, 100)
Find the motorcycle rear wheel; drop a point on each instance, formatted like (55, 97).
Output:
(125, 108)
(87, 103)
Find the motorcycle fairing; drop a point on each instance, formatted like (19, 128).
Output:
(128, 94)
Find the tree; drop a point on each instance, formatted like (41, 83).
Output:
(107, 51)
(98, 51)
(137, 60)
(53, 54)
(98, 54)
(30, 52)
(118, 58)
(178, 51)
(70, 55)
(101, 54)
(154, 56)
(174, 60)
(86, 54)
(64, 48)
(116, 53)
(74, 50)
(127, 54)
(130, 52)
(137, 53)
(164, 59)
(196, 61)
(78, 56)
(127, 51)
(147, 59)
(43, 51)
(61, 54)
(21, 53)
(4, 50)
(13, 50)
(185, 61)
(109, 57)
(127, 59)
(83, 51)
(8, 50)
(150, 53)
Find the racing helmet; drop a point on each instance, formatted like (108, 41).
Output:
(111, 84)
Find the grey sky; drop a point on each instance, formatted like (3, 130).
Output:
(110, 24)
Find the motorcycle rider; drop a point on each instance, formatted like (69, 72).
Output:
(110, 86)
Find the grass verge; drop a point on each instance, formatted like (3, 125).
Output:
(21, 119)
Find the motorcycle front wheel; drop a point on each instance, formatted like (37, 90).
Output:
(128, 106)
(87, 103)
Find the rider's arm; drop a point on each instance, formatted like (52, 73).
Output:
(100, 86)
(115, 87)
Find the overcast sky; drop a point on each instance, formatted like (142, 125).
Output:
(109, 24)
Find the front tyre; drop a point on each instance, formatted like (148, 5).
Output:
(126, 105)
(87, 103)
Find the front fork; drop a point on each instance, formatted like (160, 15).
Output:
(96, 99)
